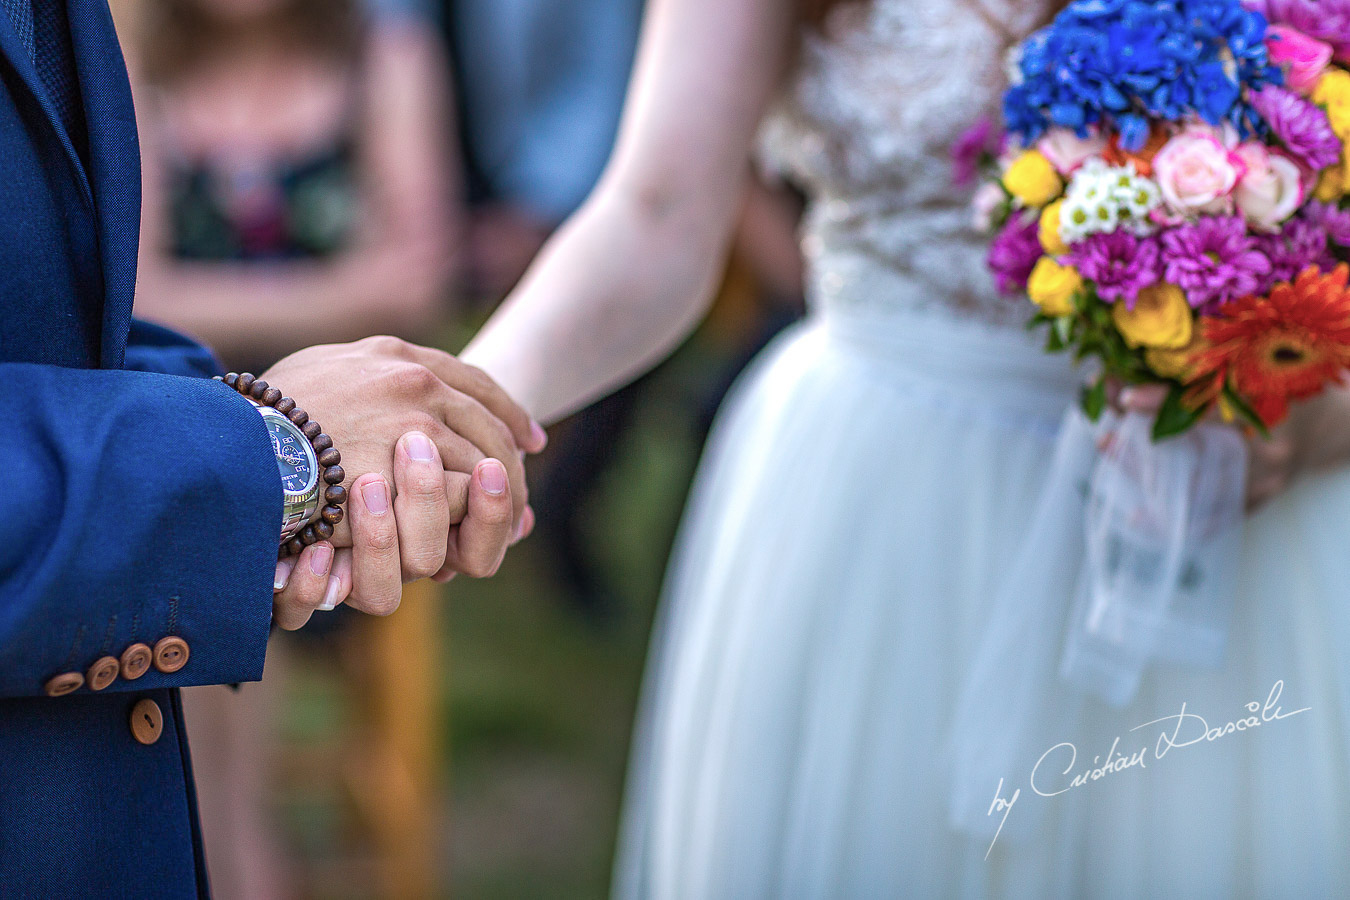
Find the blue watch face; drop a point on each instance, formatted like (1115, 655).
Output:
(293, 456)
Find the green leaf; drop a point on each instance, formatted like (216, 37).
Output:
(1174, 416)
(1094, 399)
(1245, 411)
(1063, 326)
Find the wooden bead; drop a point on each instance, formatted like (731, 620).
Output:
(232, 378)
(259, 388)
(244, 384)
(271, 396)
(309, 536)
(284, 405)
(298, 417)
(311, 430)
(323, 530)
(296, 546)
(332, 515)
(330, 457)
(334, 475)
(321, 443)
(336, 495)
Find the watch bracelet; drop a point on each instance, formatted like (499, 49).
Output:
(331, 474)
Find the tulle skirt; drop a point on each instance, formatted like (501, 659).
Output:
(869, 483)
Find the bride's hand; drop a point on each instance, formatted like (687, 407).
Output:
(1271, 461)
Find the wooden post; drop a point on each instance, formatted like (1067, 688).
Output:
(401, 783)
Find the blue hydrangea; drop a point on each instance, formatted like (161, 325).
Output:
(1120, 64)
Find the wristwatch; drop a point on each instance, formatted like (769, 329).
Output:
(311, 467)
(299, 466)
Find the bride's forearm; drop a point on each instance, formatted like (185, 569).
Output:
(610, 295)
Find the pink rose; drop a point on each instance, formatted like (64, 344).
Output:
(1303, 58)
(1270, 190)
(1197, 173)
(1067, 151)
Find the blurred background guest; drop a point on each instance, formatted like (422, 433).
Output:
(297, 173)
(541, 87)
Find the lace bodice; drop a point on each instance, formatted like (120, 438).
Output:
(866, 126)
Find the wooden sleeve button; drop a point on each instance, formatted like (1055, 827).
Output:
(136, 661)
(103, 673)
(171, 654)
(147, 722)
(65, 683)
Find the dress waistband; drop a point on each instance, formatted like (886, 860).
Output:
(1005, 365)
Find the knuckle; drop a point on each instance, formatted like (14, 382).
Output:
(425, 422)
(481, 380)
(422, 565)
(380, 539)
(385, 603)
(414, 379)
(386, 345)
(480, 568)
(498, 514)
(424, 483)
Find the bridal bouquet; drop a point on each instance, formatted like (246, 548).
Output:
(1170, 196)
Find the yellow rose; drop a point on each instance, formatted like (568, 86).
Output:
(1178, 364)
(1032, 179)
(1333, 92)
(1331, 185)
(1161, 318)
(1050, 239)
(1052, 287)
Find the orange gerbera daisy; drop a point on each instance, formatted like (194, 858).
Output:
(1275, 349)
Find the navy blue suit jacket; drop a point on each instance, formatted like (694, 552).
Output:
(140, 500)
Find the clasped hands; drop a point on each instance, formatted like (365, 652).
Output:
(434, 453)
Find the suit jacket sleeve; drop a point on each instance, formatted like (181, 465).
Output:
(137, 506)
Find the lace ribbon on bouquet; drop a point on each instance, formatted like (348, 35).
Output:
(1131, 557)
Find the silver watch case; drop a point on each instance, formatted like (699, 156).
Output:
(302, 505)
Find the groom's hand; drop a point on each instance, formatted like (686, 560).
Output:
(424, 439)
(368, 394)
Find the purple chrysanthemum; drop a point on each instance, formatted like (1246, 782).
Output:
(1331, 219)
(1326, 20)
(1118, 263)
(1291, 250)
(1301, 126)
(1014, 252)
(1214, 260)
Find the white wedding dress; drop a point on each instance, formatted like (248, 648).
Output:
(870, 482)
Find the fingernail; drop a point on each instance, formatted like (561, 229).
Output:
(330, 596)
(321, 559)
(493, 477)
(376, 495)
(539, 434)
(283, 575)
(419, 448)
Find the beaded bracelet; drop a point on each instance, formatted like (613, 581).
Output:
(331, 472)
